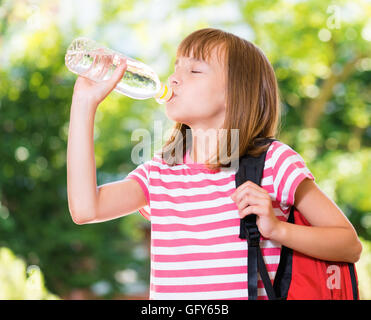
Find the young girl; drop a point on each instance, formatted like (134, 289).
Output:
(220, 82)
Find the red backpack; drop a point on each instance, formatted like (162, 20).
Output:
(298, 277)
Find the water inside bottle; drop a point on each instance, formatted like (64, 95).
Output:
(98, 65)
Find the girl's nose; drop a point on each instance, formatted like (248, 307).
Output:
(174, 80)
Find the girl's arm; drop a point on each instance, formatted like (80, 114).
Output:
(331, 236)
(82, 188)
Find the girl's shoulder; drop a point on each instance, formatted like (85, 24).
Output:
(280, 152)
(287, 169)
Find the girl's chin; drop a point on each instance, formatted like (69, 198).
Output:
(174, 115)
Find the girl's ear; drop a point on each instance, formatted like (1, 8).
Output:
(225, 106)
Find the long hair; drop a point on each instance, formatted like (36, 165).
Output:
(252, 98)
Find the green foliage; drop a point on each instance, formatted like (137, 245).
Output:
(324, 78)
(19, 283)
(139, 81)
(35, 220)
(363, 267)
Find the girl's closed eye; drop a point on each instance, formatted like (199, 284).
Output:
(194, 71)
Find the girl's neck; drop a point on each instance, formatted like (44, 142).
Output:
(204, 144)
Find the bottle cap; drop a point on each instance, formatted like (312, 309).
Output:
(165, 93)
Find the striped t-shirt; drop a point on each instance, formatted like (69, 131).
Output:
(196, 252)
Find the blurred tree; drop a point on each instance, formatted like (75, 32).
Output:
(321, 59)
(20, 283)
(318, 50)
(364, 271)
(35, 222)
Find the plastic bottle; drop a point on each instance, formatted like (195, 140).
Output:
(87, 58)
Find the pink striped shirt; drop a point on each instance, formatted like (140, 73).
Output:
(196, 252)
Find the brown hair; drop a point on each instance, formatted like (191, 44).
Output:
(253, 103)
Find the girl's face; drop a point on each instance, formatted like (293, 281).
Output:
(199, 92)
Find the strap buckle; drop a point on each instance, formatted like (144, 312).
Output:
(253, 235)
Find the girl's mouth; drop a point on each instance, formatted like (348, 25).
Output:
(172, 97)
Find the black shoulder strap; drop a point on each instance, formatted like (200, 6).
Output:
(251, 168)
(283, 276)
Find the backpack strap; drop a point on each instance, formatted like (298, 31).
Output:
(283, 276)
(353, 279)
(251, 168)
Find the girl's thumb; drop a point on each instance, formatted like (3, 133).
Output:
(119, 71)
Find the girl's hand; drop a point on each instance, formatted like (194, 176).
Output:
(252, 199)
(95, 92)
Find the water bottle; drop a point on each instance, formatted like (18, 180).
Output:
(87, 58)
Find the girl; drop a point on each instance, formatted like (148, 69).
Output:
(220, 82)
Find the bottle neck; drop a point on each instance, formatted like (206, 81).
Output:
(164, 94)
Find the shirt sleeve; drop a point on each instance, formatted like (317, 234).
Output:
(141, 175)
(289, 170)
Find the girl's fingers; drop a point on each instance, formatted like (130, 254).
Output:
(106, 63)
(99, 68)
(250, 210)
(247, 185)
(99, 64)
(116, 76)
(119, 72)
(250, 190)
(248, 201)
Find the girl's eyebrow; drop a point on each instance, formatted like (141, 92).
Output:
(193, 60)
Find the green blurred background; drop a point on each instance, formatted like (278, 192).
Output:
(320, 51)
